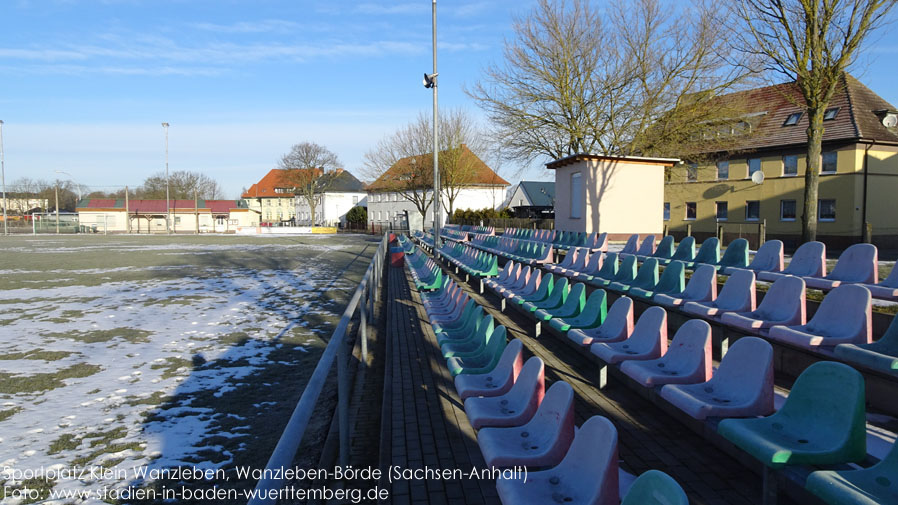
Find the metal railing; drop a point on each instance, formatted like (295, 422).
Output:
(364, 297)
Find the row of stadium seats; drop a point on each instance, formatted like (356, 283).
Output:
(472, 261)
(741, 387)
(506, 401)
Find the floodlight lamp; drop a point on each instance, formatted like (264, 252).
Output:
(430, 80)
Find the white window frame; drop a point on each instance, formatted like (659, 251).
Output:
(835, 156)
(726, 209)
(752, 219)
(791, 156)
(795, 210)
(725, 164)
(686, 211)
(748, 163)
(819, 213)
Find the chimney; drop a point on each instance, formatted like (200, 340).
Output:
(339, 171)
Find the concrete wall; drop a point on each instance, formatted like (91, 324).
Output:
(331, 209)
(116, 221)
(384, 206)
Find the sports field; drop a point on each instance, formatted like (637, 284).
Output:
(122, 354)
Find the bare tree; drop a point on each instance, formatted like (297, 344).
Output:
(462, 143)
(812, 42)
(304, 165)
(574, 80)
(182, 185)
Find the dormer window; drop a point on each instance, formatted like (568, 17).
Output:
(830, 113)
(793, 118)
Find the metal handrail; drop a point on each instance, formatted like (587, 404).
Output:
(286, 448)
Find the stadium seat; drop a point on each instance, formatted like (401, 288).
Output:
(672, 282)
(514, 408)
(880, 355)
(737, 295)
(529, 288)
(626, 272)
(518, 285)
(742, 386)
(857, 264)
(735, 255)
(576, 300)
(606, 270)
(483, 362)
(708, 253)
(618, 325)
(783, 304)
(655, 487)
(471, 323)
(569, 259)
(769, 258)
(687, 360)
(592, 267)
(588, 474)
(685, 251)
(499, 380)
(591, 315)
(646, 277)
(648, 340)
(631, 245)
(828, 397)
(664, 250)
(472, 345)
(809, 260)
(845, 316)
(543, 291)
(702, 287)
(555, 299)
(887, 289)
(877, 485)
(543, 441)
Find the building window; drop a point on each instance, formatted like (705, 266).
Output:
(826, 210)
(793, 118)
(723, 170)
(177, 219)
(692, 172)
(752, 210)
(830, 113)
(576, 195)
(722, 210)
(787, 210)
(790, 164)
(828, 162)
(355, 200)
(690, 211)
(667, 211)
(754, 165)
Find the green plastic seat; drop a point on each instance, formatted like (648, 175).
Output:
(655, 488)
(607, 271)
(484, 362)
(735, 255)
(472, 320)
(646, 277)
(881, 355)
(671, 283)
(576, 300)
(543, 291)
(821, 423)
(473, 345)
(685, 251)
(708, 253)
(665, 248)
(592, 315)
(877, 485)
(626, 272)
(553, 301)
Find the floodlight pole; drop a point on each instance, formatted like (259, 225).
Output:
(3, 176)
(167, 200)
(436, 147)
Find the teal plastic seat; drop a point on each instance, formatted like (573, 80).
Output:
(646, 278)
(672, 282)
(543, 291)
(592, 314)
(485, 361)
(607, 270)
(735, 255)
(708, 253)
(685, 251)
(576, 300)
(473, 345)
(881, 355)
(555, 300)
(877, 485)
(665, 248)
(655, 488)
(471, 323)
(626, 272)
(821, 423)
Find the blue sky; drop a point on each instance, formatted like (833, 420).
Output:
(85, 84)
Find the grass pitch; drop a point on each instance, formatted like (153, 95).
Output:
(126, 352)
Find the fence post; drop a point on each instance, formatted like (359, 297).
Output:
(363, 322)
(343, 401)
(720, 232)
(762, 232)
(868, 233)
(688, 229)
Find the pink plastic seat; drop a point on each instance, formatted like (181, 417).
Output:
(857, 264)
(569, 259)
(543, 441)
(519, 284)
(737, 295)
(617, 326)
(845, 316)
(702, 287)
(647, 341)
(588, 474)
(687, 360)
(784, 304)
(741, 387)
(514, 408)
(809, 260)
(887, 289)
(532, 285)
(769, 258)
(497, 382)
(648, 246)
(591, 267)
(507, 277)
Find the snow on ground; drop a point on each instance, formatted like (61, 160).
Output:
(84, 364)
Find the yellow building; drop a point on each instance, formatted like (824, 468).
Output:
(858, 179)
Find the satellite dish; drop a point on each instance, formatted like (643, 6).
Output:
(890, 121)
(757, 177)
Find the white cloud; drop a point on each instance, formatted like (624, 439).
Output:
(402, 8)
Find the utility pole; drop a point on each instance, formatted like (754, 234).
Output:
(3, 175)
(57, 206)
(436, 148)
(167, 196)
